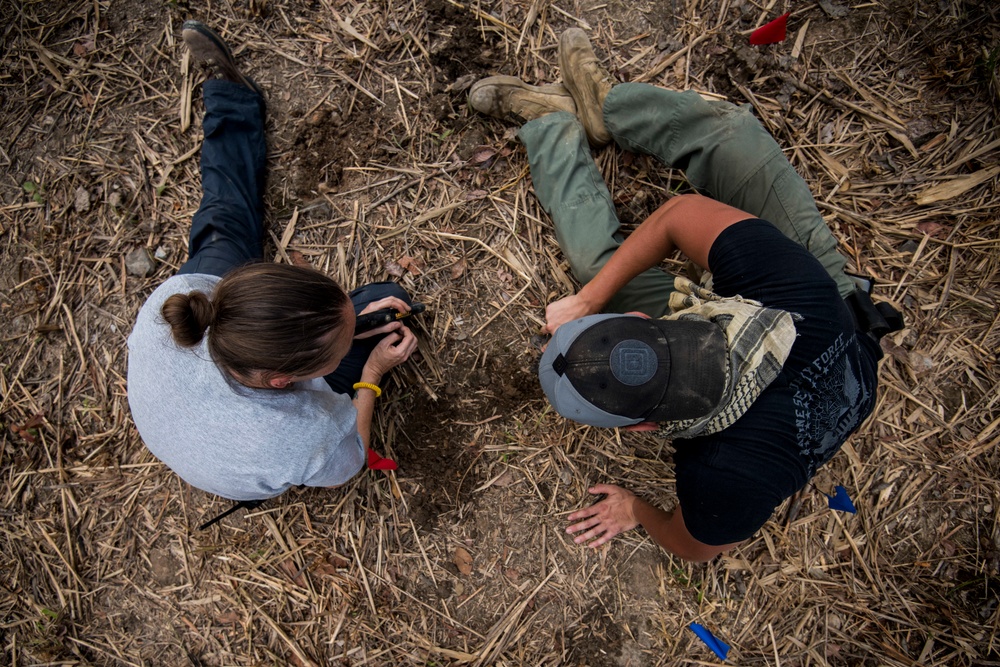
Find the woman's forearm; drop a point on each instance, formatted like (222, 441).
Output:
(364, 403)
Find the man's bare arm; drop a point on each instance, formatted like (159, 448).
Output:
(622, 510)
(669, 531)
(689, 223)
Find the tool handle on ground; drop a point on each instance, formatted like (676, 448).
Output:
(379, 318)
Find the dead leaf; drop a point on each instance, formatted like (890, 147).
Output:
(483, 154)
(227, 618)
(476, 194)
(458, 269)
(83, 46)
(298, 259)
(930, 228)
(895, 351)
(505, 479)
(25, 429)
(332, 564)
(462, 560)
(410, 264)
(294, 573)
(394, 269)
(327, 569)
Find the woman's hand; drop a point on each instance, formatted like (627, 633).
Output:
(566, 310)
(615, 514)
(392, 350)
(388, 302)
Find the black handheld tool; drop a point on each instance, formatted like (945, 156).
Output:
(373, 320)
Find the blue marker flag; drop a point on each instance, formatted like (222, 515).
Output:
(718, 647)
(841, 501)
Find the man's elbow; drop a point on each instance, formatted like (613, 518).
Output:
(700, 556)
(702, 553)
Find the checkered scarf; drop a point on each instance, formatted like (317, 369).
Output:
(759, 340)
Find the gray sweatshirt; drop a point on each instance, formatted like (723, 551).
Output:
(223, 437)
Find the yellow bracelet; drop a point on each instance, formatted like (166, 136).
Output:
(368, 385)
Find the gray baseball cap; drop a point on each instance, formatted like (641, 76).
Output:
(617, 370)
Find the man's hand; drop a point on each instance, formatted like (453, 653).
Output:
(566, 310)
(615, 514)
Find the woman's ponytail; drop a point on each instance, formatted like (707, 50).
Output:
(189, 316)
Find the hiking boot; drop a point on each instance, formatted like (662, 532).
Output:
(587, 81)
(209, 49)
(509, 98)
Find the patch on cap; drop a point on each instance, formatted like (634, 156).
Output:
(633, 362)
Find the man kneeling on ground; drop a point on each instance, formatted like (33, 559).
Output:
(760, 376)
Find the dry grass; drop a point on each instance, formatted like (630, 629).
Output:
(378, 170)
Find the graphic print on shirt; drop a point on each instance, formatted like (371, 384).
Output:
(830, 401)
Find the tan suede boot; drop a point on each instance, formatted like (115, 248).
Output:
(587, 81)
(509, 98)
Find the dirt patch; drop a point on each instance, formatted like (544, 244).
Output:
(459, 46)
(599, 642)
(479, 400)
(327, 142)
(165, 567)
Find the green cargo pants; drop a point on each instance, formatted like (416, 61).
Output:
(724, 152)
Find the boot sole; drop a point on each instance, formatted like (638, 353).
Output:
(584, 96)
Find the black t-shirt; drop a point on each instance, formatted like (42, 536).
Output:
(729, 483)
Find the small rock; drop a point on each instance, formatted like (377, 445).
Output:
(82, 201)
(317, 117)
(909, 246)
(115, 199)
(461, 84)
(919, 362)
(139, 263)
(833, 9)
(161, 253)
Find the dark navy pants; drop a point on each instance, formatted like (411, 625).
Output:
(228, 229)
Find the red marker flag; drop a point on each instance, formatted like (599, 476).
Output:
(376, 462)
(770, 33)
